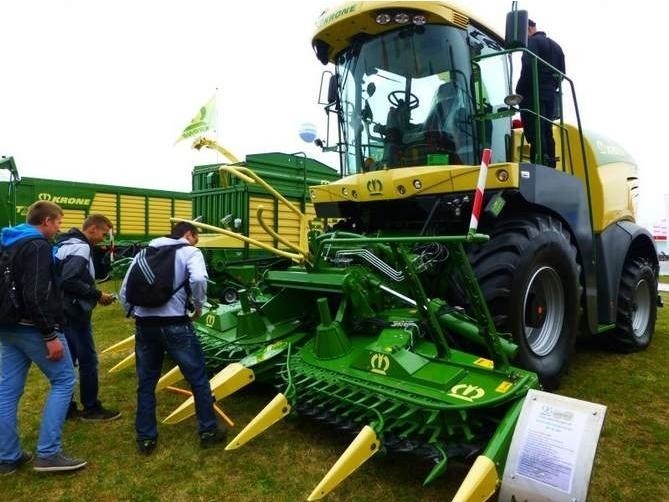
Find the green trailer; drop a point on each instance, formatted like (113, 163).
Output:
(138, 214)
(227, 201)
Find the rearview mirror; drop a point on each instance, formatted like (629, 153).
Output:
(516, 29)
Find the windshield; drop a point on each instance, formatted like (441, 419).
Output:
(406, 100)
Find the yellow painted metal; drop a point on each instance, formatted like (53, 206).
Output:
(127, 343)
(613, 176)
(104, 203)
(72, 218)
(160, 211)
(365, 444)
(394, 184)
(256, 231)
(249, 176)
(227, 381)
(217, 408)
(481, 482)
(298, 258)
(277, 409)
(125, 363)
(217, 241)
(170, 378)
(183, 208)
(133, 214)
(338, 25)
(208, 143)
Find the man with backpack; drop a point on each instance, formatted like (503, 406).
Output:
(162, 281)
(77, 273)
(30, 331)
(549, 83)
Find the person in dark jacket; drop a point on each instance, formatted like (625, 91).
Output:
(37, 338)
(80, 295)
(549, 82)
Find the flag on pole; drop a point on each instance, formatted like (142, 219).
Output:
(202, 122)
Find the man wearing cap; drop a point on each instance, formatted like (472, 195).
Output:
(549, 82)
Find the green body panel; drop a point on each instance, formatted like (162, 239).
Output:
(353, 347)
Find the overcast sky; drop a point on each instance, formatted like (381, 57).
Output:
(99, 91)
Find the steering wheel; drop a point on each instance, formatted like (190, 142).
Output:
(395, 97)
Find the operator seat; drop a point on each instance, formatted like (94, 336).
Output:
(440, 123)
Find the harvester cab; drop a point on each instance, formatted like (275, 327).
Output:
(423, 88)
(457, 272)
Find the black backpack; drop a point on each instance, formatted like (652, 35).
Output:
(9, 294)
(151, 277)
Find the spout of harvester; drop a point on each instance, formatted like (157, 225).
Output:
(125, 363)
(226, 382)
(481, 482)
(277, 409)
(128, 343)
(170, 378)
(365, 444)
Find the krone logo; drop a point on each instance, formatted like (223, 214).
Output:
(380, 363)
(466, 392)
(44, 196)
(210, 320)
(374, 187)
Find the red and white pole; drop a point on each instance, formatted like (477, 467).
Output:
(480, 188)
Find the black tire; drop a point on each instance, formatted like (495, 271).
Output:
(530, 277)
(229, 295)
(637, 306)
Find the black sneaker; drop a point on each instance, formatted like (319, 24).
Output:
(73, 412)
(58, 463)
(146, 446)
(99, 414)
(212, 438)
(7, 468)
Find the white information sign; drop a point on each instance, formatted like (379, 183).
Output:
(553, 449)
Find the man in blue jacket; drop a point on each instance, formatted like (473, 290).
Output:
(80, 294)
(37, 337)
(168, 328)
(549, 82)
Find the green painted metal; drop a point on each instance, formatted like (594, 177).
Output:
(360, 341)
(72, 195)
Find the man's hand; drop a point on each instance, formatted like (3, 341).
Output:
(54, 350)
(197, 313)
(106, 299)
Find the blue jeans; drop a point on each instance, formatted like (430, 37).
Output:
(19, 347)
(183, 346)
(79, 335)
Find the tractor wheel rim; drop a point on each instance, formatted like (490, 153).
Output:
(642, 299)
(230, 296)
(543, 339)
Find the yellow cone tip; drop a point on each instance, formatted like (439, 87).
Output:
(365, 444)
(270, 414)
(227, 381)
(128, 343)
(125, 363)
(230, 379)
(170, 378)
(481, 482)
(184, 411)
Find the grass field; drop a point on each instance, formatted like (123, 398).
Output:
(288, 460)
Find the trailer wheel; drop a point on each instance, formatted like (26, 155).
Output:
(530, 277)
(229, 295)
(637, 307)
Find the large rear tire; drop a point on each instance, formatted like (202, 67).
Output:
(637, 306)
(530, 277)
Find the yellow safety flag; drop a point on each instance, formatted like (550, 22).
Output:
(203, 121)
